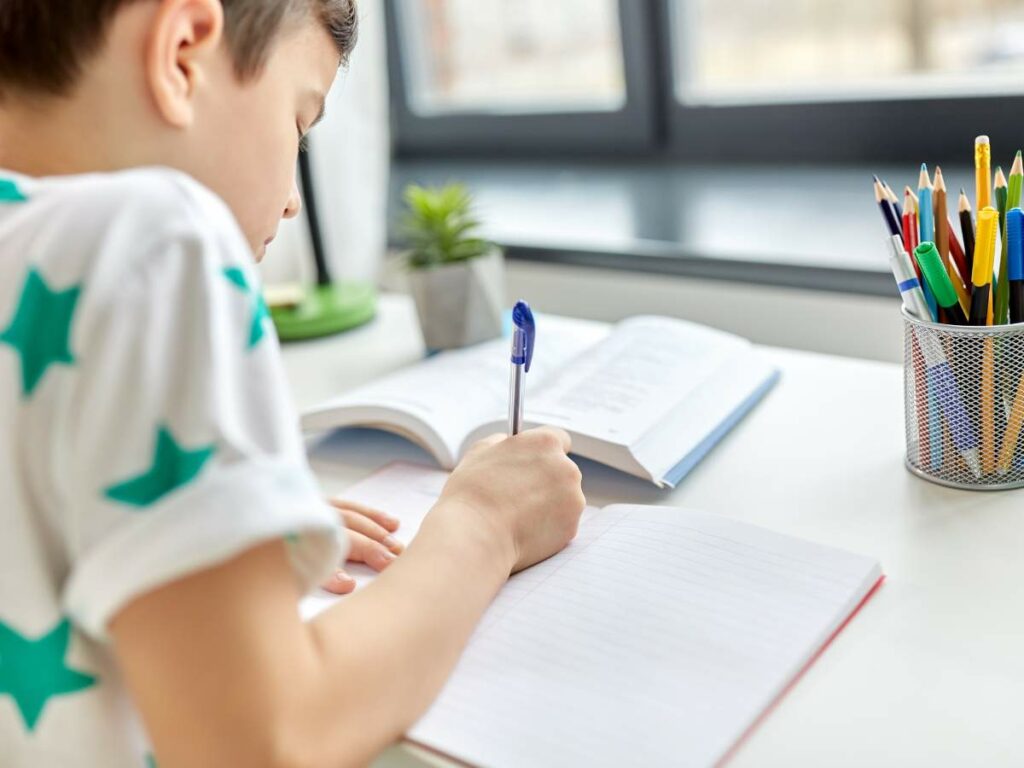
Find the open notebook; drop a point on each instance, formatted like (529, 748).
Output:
(658, 637)
(650, 397)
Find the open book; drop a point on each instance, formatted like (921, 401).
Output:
(650, 397)
(659, 636)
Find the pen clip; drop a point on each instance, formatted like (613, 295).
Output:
(524, 336)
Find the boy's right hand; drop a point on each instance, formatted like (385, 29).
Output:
(523, 489)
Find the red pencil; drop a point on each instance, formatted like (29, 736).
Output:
(956, 253)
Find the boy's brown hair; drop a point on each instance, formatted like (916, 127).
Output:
(44, 43)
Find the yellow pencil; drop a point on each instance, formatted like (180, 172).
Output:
(982, 172)
(988, 406)
(984, 255)
(1013, 428)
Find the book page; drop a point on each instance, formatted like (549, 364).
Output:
(657, 637)
(621, 391)
(457, 391)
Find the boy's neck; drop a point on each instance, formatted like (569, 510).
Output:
(58, 136)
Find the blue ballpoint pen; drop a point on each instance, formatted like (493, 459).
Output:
(524, 335)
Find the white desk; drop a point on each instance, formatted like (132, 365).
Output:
(931, 672)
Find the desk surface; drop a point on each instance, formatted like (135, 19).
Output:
(930, 672)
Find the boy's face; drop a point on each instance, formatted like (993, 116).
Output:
(244, 141)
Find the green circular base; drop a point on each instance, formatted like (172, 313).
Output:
(326, 310)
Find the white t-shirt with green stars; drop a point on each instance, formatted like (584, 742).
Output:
(146, 432)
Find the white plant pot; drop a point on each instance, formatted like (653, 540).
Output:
(460, 304)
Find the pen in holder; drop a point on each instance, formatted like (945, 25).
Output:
(964, 403)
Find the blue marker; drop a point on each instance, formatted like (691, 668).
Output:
(1015, 262)
(524, 337)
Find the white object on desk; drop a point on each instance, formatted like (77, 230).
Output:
(929, 674)
(651, 397)
(678, 628)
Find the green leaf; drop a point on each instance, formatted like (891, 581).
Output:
(439, 227)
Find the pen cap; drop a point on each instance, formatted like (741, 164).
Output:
(1015, 243)
(524, 334)
(985, 246)
(935, 273)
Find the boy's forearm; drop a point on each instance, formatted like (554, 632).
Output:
(396, 641)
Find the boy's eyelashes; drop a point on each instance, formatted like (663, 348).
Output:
(303, 139)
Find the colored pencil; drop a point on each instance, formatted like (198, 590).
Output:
(967, 232)
(1001, 307)
(982, 172)
(909, 221)
(942, 240)
(886, 207)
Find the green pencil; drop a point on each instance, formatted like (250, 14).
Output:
(1016, 183)
(1001, 307)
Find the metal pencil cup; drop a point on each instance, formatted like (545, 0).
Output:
(964, 403)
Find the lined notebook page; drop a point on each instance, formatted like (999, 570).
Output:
(656, 638)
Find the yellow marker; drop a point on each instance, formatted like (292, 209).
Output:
(981, 269)
(982, 172)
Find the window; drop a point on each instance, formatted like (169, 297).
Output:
(513, 56)
(814, 50)
(748, 80)
(567, 76)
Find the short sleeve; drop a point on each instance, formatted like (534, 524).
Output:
(178, 442)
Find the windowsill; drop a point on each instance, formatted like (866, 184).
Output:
(804, 227)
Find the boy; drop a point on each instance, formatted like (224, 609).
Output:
(159, 519)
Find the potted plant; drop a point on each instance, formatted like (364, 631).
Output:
(456, 276)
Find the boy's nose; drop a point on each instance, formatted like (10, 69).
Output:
(294, 204)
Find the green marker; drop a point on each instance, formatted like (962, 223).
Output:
(938, 280)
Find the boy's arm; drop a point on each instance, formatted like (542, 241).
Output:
(226, 648)
(225, 673)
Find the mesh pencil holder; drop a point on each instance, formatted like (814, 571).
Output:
(964, 403)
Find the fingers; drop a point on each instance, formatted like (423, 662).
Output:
(340, 583)
(371, 530)
(363, 549)
(382, 519)
(557, 438)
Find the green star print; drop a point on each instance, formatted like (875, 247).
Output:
(33, 671)
(40, 328)
(172, 468)
(260, 313)
(9, 192)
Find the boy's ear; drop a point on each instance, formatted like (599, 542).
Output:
(184, 38)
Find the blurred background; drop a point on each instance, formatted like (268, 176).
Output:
(707, 160)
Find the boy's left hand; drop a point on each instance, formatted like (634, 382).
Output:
(370, 541)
